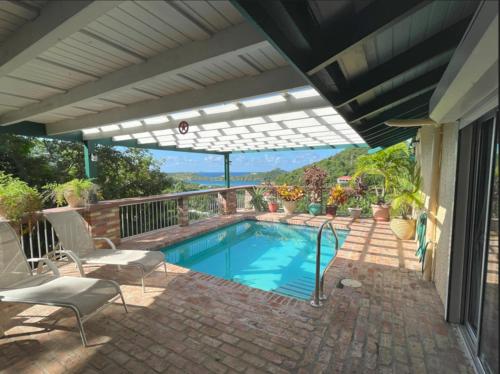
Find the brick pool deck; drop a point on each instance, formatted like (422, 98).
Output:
(195, 323)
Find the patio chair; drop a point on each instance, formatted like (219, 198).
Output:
(78, 245)
(84, 296)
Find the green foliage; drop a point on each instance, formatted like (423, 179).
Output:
(38, 162)
(17, 198)
(258, 200)
(407, 194)
(183, 186)
(386, 166)
(81, 188)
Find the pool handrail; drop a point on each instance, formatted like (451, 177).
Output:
(319, 280)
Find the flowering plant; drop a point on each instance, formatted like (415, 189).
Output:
(289, 193)
(270, 194)
(314, 179)
(338, 196)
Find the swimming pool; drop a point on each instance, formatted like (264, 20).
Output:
(270, 256)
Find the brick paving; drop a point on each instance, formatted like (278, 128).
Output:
(195, 323)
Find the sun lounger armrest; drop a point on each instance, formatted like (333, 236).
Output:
(107, 240)
(47, 262)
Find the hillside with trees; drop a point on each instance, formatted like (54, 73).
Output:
(343, 163)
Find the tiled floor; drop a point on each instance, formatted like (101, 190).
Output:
(194, 323)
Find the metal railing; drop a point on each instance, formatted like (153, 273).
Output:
(203, 206)
(240, 199)
(38, 238)
(139, 218)
(319, 294)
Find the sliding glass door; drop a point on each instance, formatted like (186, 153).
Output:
(474, 269)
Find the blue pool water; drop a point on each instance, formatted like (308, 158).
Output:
(269, 256)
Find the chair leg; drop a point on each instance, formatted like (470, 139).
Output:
(165, 268)
(142, 283)
(123, 302)
(80, 327)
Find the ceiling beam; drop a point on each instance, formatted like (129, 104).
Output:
(275, 80)
(441, 43)
(290, 105)
(419, 112)
(232, 41)
(374, 18)
(399, 111)
(399, 94)
(57, 20)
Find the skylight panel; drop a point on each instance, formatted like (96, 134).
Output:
(167, 143)
(334, 119)
(206, 140)
(235, 131)
(215, 125)
(209, 133)
(288, 116)
(294, 136)
(281, 132)
(325, 111)
(130, 124)
(185, 136)
(109, 128)
(253, 135)
(263, 100)
(185, 114)
(249, 121)
(93, 130)
(305, 122)
(156, 120)
(228, 137)
(166, 138)
(146, 140)
(184, 146)
(266, 127)
(119, 138)
(220, 108)
(302, 93)
(163, 132)
(139, 135)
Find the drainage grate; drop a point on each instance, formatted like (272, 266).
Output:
(349, 283)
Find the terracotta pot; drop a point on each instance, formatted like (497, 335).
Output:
(272, 206)
(354, 212)
(404, 228)
(289, 206)
(331, 211)
(73, 200)
(314, 209)
(381, 212)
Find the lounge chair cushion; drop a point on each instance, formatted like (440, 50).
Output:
(148, 260)
(86, 294)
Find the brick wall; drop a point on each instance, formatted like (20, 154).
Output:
(227, 202)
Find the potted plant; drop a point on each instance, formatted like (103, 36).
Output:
(290, 195)
(314, 181)
(384, 166)
(407, 197)
(77, 192)
(17, 198)
(356, 194)
(271, 199)
(336, 198)
(258, 200)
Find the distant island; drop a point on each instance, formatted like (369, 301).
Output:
(266, 176)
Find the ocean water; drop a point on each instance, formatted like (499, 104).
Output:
(221, 182)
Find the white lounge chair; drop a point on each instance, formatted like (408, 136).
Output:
(84, 296)
(78, 245)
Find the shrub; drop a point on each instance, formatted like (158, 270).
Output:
(17, 198)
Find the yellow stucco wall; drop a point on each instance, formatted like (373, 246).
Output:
(446, 196)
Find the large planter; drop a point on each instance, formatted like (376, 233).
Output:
(331, 211)
(381, 212)
(314, 209)
(403, 228)
(354, 212)
(272, 206)
(289, 206)
(73, 200)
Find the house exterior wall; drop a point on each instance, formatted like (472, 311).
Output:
(446, 196)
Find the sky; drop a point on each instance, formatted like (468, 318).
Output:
(174, 162)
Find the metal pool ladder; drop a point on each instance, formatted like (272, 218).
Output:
(320, 278)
